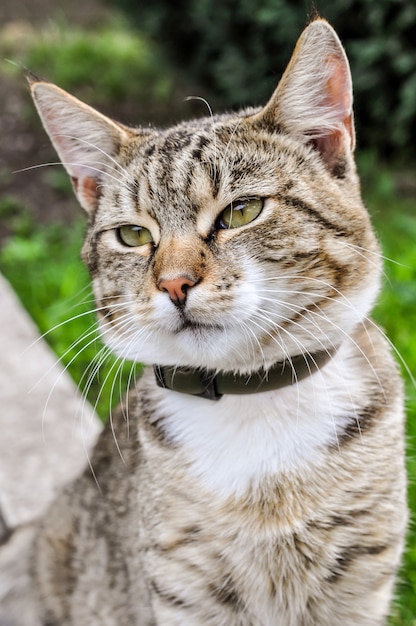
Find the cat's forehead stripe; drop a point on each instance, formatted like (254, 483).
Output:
(174, 162)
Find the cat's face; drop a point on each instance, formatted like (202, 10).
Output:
(277, 277)
(229, 242)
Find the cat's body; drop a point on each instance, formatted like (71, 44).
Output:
(314, 541)
(284, 507)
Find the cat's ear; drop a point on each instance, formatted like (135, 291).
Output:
(313, 100)
(86, 141)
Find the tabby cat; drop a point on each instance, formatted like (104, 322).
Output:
(258, 478)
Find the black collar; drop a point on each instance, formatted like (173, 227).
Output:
(208, 384)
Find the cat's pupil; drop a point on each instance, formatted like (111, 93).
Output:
(240, 213)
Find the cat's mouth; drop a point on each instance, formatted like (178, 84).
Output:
(186, 324)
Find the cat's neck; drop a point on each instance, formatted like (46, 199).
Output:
(234, 444)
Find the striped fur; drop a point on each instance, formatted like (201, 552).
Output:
(285, 508)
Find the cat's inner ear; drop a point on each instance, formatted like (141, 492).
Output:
(86, 141)
(313, 100)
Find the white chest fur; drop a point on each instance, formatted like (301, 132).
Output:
(236, 442)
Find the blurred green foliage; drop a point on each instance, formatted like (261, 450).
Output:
(111, 65)
(233, 50)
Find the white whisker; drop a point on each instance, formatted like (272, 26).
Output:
(345, 301)
(87, 333)
(118, 167)
(371, 252)
(69, 164)
(346, 335)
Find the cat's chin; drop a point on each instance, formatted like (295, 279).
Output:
(190, 345)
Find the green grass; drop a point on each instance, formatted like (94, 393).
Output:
(395, 221)
(43, 265)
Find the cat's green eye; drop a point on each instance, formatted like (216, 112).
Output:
(240, 213)
(134, 236)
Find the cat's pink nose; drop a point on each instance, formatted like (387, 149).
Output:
(177, 288)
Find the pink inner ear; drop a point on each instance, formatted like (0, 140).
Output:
(90, 190)
(74, 181)
(332, 148)
(339, 95)
(87, 189)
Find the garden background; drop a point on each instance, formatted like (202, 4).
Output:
(137, 61)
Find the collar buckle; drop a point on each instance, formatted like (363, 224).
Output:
(200, 383)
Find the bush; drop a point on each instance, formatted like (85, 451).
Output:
(233, 49)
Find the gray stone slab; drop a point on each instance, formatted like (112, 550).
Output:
(46, 429)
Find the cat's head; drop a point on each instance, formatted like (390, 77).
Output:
(229, 242)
